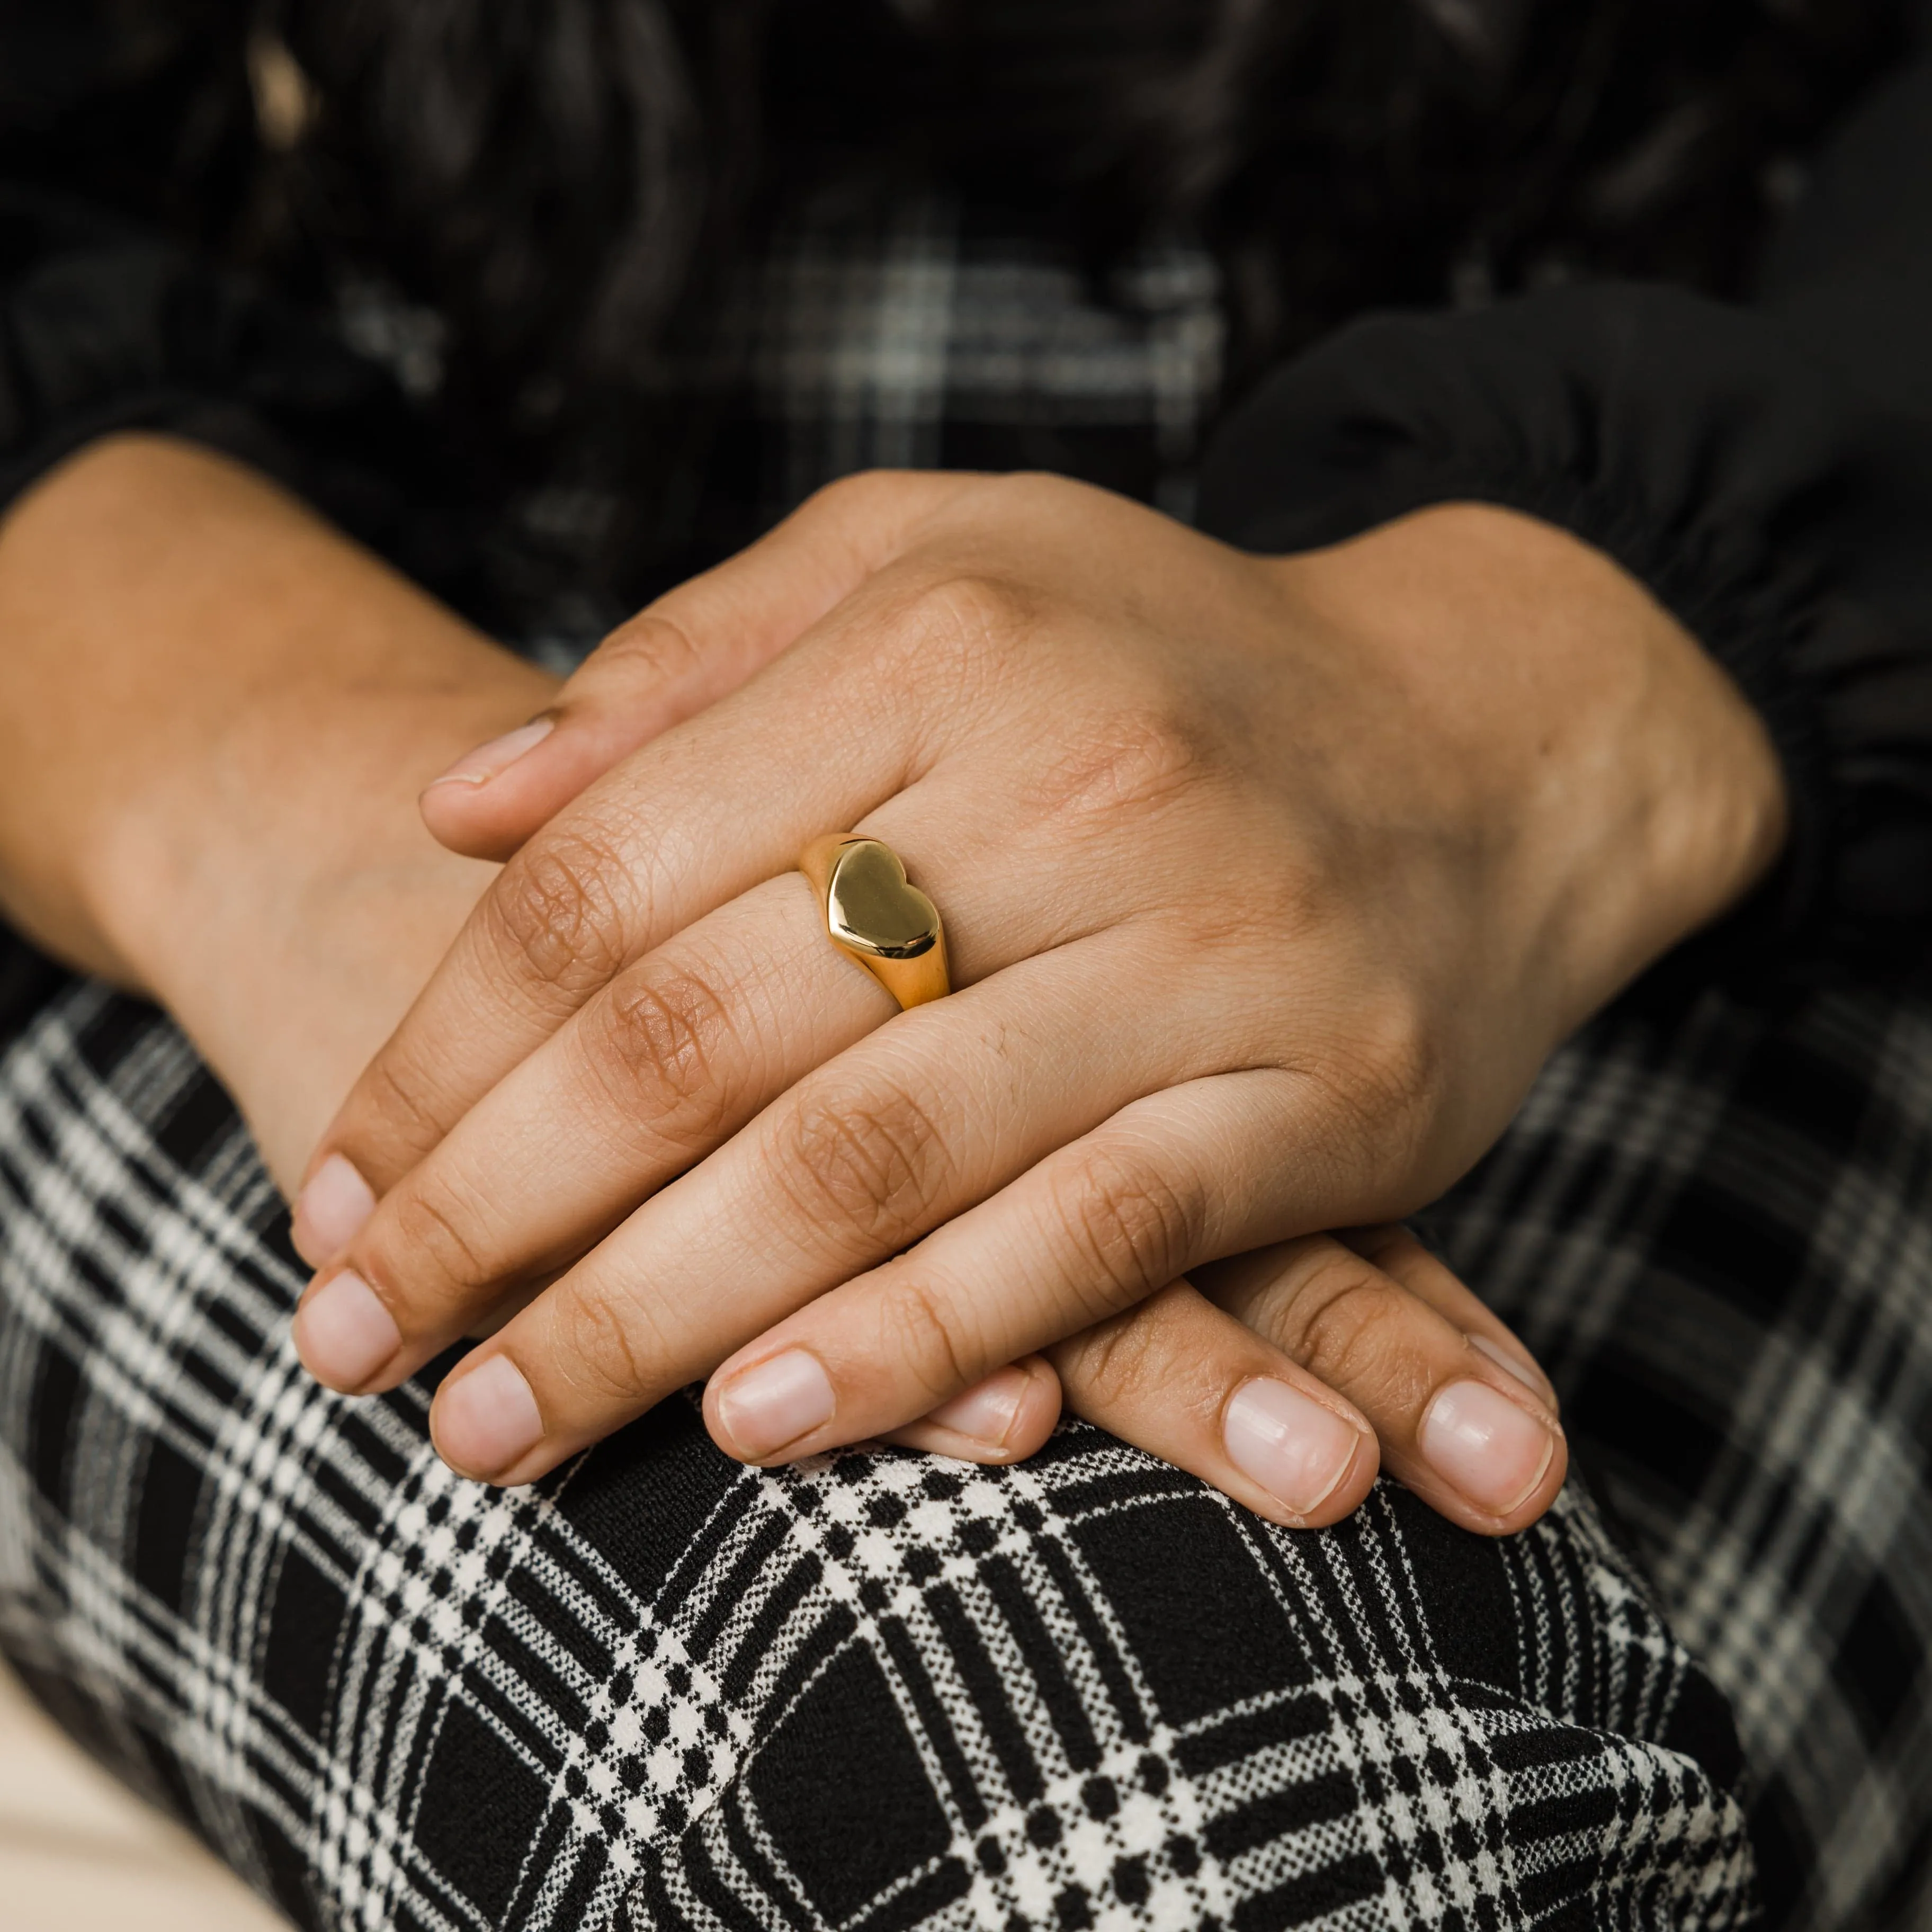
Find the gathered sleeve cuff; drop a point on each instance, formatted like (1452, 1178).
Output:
(1782, 516)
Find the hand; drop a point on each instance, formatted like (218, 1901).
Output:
(214, 715)
(1270, 883)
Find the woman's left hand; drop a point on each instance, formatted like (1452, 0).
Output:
(1268, 883)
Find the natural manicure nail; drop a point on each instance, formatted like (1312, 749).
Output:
(776, 1402)
(1296, 1448)
(479, 766)
(1513, 1365)
(984, 1413)
(1482, 1443)
(487, 1421)
(330, 1211)
(343, 1333)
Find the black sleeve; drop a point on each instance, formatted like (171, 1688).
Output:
(103, 327)
(1765, 468)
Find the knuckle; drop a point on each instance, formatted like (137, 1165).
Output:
(1399, 1055)
(396, 1119)
(860, 494)
(559, 911)
(980, 606)
(1382, 1072)
(1135, 757)
(952, 631)
(1122, 1362)
(1134, 1224)
(874, 1163)
(652, 647)
(926, 1333)
(1342, 1321)
(658, 1039)
(439, 1228)
(605, 1353)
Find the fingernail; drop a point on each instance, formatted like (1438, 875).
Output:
(1297, 1449)
(1481, 1443)
(775, 1403)
(986, 1412)
(479, 766)
(330, 1210)
(1530, 1378)
(343, 1333)
(488, 1421)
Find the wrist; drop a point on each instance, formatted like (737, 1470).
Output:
(1626, 791)
(215, 715)
(287, 905)
(188, 649)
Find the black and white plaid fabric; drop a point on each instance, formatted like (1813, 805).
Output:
(880, 1691)
(662, 1691)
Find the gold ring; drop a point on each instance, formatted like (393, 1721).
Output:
(874, 915)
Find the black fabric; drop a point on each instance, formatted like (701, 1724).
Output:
(104, 328)
(662, 1691)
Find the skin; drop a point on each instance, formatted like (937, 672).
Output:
(1270, 884)
(215, 715)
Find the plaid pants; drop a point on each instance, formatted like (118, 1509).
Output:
(661, 1690)
(880, 1691)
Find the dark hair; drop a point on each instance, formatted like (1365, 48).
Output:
(554, 171)
(565, 182)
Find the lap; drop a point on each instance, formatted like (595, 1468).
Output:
(876, 1690)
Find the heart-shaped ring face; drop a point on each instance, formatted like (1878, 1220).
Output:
(870, 908)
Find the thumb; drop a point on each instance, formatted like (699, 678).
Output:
(693, 645)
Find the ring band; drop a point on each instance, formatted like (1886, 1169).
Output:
(874, 915)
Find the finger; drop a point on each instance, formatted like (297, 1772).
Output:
(1186, 1381)
(681, 653)
(921, 1120)
(1460, 1422)
(1469, 1436)
(679, 1052)
(1093, 1227)
(693, 819)
(1003, 1419)
(682, 1049)
(1397, 1253)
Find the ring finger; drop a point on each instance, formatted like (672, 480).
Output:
(1462, 1420)
(680, 1053)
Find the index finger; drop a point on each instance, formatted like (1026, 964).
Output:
(682, 652)
(712, 808)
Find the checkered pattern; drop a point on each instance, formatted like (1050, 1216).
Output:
(1713, 1223)
(885, 330)
(903, 335)
(659, 1691)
